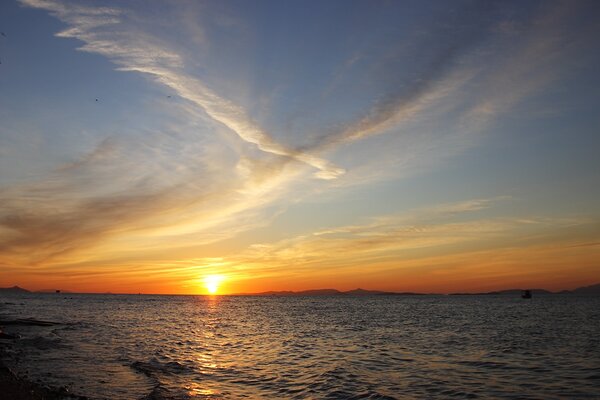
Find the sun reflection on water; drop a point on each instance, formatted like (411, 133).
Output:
(195, 389)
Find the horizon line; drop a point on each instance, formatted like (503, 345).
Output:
(305, 292)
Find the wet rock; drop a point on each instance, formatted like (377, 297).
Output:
(28, 322)
(7, 336)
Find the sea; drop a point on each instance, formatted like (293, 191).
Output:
(321, 347)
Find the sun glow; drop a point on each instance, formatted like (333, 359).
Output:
(212, 283)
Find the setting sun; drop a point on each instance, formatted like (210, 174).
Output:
(212, 283)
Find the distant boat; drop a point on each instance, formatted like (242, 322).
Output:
(526, 294)
(57, 291)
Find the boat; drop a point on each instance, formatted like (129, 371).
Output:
(526, 294)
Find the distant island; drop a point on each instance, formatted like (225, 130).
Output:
(17, 289)
(585, 290)
(14, 289)
(330, 292)
(593, 289)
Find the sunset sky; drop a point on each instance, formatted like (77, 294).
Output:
(426, 146)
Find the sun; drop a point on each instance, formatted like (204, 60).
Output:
(212, 283)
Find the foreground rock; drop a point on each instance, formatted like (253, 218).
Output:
(6, 335)
(14, 388)
(27, 322)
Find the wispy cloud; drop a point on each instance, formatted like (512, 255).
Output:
(139, 52)
(465, 88)
(434, 248)
(430, 238)
(189, 189)
(531, 55)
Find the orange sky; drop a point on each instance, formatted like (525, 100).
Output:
(397, 253)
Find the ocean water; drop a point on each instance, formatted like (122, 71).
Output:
(372, 347)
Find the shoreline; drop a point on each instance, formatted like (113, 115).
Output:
(15, 387)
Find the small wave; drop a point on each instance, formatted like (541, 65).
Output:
(487, 364)
(153, 367)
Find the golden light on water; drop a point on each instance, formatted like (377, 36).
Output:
(212, 283)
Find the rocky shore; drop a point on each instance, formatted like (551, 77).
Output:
(14, 387)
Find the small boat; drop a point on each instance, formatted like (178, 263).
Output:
(526, 294)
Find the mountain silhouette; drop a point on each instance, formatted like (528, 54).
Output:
(14, 289)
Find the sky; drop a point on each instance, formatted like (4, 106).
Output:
(176, 146)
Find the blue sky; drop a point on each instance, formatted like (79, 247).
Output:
(177, 138)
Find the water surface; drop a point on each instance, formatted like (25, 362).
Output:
(334, 347)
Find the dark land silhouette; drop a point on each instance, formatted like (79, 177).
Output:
(587, 290)
(20, 388)
(592, 289)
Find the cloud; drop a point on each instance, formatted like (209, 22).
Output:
(465, 87)
(126, 193)
(422, 237)
(139, 52)
(168, 193)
